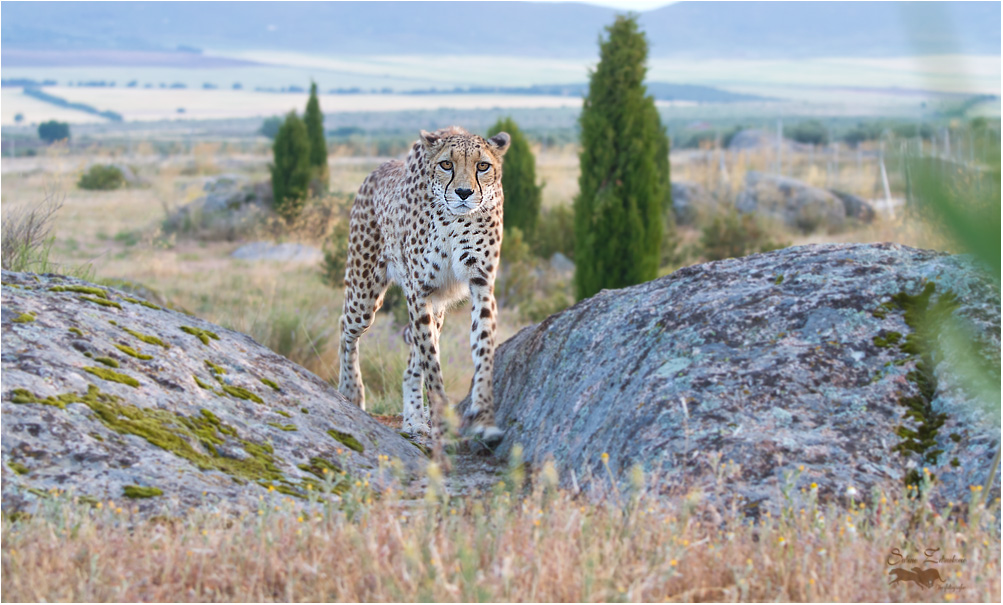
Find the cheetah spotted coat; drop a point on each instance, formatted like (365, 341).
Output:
(433, 225)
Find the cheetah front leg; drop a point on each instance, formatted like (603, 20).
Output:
(424, 368)
(483, 325)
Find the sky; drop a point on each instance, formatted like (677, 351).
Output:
(634, 5)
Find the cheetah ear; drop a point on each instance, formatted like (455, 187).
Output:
(500, 142)
(429, 139)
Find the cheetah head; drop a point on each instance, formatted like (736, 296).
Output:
(466, 170)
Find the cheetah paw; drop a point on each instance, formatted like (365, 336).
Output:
(490, 436)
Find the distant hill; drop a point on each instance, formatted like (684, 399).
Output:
(686, 29)
(662, 91)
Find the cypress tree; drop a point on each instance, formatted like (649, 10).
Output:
(291, 168)
(314, 120)
(624, 169)
(522, 194)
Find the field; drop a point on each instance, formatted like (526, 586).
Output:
(525, 540)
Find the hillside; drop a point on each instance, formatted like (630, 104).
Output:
(567, 30)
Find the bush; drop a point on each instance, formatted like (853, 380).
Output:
(102, 177)
(270, 127)
(291, 168)
(811, 132)
(555, 232)
(624, 169)
(522, 194)
(53, 131)
(733, 235)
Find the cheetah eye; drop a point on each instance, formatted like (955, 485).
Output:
(482, 166)
(446, 165)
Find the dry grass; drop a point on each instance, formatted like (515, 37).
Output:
(515, 543)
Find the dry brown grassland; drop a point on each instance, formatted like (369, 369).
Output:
(526, 540)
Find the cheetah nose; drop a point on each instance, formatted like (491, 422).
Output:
(464, 193)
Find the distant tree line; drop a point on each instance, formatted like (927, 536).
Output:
(61, 102)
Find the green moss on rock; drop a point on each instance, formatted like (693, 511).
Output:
(887, 339)
(18, 468)
(113, 376)
(203, 335)
(347, 440)
(136, 491)
(283, 427)
(99, 292)
(283, 413)
(76, 331)
(132, 352)
(147, 338)
(240, 393)
(108, 361)
(137, 301)
(270, 383)
(101, 301)
(925, 318)
(216, 369)
(24, 318)
(202, 384)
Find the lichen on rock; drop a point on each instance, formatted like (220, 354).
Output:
(152, 421)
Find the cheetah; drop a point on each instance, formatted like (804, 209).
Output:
(432, 224)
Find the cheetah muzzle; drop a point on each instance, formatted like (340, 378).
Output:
(433, 225)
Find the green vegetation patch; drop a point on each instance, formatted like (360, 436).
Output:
(203, 335)
(283, 413)
(108, 361)
(76, 331)
(283, 427)
(99, 292)
(24, 318)
(147, 338)
(136, 491)
(216, 369)
(202, 384)
(145, 303)
(270, 383)
(101, 301)
(193, 438)
(346, 439)
(925, 319)
(240, 393)
(18, 468)
(132, 352)
(887, 339)
(112, 375)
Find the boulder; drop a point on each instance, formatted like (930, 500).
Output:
(288, 252)
(231, 207)
(857, 208)
(112, 396)
(773, 362)
(562, 265)
(793, 202)
(690, 201)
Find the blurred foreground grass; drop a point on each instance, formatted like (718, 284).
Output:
(520, 541)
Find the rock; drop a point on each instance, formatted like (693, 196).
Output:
(771, 361)
(690, 201)
(102, 391)
(226, 192)
(130, 177)
(295, 253)
(562, 265)
(856, 208)
(230, 209)
(793, 202)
